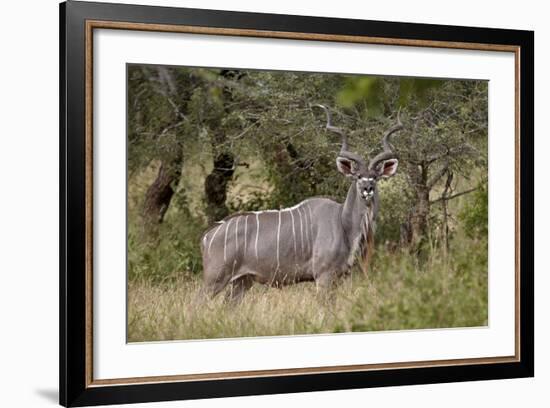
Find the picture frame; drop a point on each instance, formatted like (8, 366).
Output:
(79, 21)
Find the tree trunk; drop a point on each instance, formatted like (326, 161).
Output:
(419, 217)
(414, 232)
(445, 207)
(215, 186)
(160, 192)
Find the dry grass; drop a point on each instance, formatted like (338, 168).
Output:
(398, 294)
(180, 311)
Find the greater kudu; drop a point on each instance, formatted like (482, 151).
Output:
(316, 240)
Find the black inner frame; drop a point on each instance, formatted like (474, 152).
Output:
(73, 391)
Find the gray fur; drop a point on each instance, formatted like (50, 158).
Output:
(316, 240)
(320, 248)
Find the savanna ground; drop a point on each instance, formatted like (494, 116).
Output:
(256, 137)
(397, 295)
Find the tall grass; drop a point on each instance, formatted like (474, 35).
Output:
(446, 290)
(402, 291)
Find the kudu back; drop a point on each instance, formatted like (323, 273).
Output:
(315, 240)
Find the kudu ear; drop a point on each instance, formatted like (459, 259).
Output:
(346, 166)
(388, 168)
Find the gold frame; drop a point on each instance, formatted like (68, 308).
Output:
(99, 24)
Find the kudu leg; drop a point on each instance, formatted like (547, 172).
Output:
(326, 284)
(213, 286)
(238, 288)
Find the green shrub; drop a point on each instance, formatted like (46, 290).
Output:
(170, 252)
(475, 214)
(442, 292)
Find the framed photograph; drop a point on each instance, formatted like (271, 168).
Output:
(256, 204)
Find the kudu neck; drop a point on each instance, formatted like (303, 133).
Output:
(353, 213)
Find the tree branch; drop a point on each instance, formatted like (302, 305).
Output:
(435, 178)
(454, 195)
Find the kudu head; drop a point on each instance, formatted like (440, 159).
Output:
(366, 176)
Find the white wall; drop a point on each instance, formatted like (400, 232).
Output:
(29, 205)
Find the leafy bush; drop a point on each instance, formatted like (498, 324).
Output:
(394, 209)
(171, 252)
(445, 291)
(475, 214)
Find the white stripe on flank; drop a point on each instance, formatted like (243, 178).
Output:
(237, 235)
(293, 233)
(310, 222)
(278, 237)
(233, 269)
(257, 232)
(311, 242)
(225, 240)
(245, 233)
(301, 232)
(214, 236)
(301, 228)
(305, 227)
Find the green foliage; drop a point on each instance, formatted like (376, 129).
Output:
(155, 125)
(475, 214)
(362, 90)
(370, 92)
(395, 205)
(270, 123)
(167, 261)
(170, 254)
(417, 88)
(446, 291)
(256, 201)
(283, 155)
